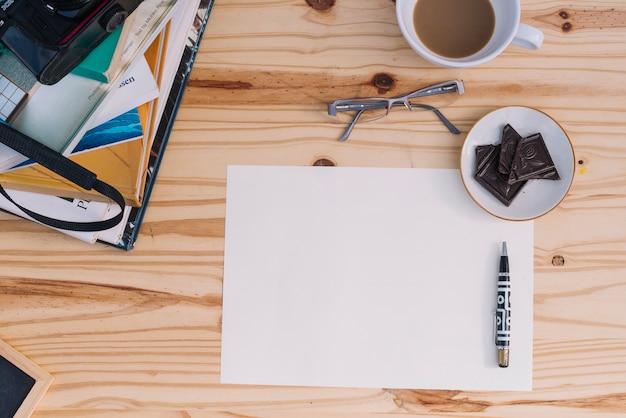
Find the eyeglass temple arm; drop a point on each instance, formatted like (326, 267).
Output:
(440, 115)
(351, 125)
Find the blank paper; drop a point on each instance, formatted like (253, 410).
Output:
(369, 277)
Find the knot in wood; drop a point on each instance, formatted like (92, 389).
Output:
(321, 5)
(558, 261)
(383, 82)
(324, 162)
(566, 27)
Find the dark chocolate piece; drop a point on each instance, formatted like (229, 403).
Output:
(548, 175)
(483, 153)
(532, 161)
(494, 181)
(510, 139)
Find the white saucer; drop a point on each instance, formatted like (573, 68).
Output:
(537, 197)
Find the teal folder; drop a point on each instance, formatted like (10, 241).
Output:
(96, 65)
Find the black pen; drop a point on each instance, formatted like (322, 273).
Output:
(503, 310)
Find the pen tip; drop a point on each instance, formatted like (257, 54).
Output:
(503, 357)
(504, 248)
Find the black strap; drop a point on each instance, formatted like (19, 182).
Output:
(67, 168)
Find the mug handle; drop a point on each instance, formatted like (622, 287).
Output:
(528, 37)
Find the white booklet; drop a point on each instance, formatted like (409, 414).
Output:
(136, 87)
(76, 210)
(369, 277)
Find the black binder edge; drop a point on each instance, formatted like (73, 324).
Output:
(133, 226)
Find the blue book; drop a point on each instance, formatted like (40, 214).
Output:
(125, 127)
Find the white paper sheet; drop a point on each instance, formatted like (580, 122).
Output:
(369, 277)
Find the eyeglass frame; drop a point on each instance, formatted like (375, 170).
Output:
(360, 105)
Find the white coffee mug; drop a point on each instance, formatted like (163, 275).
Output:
(508, 30)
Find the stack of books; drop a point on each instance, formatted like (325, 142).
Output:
(113, 115)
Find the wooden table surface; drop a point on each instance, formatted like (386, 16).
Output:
(138, 334)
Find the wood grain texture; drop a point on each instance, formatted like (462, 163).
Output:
(138, 334)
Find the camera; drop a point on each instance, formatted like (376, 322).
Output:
(51, 37)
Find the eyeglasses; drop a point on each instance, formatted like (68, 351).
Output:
(371, 108)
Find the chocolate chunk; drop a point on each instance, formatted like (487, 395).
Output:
(510, 139)
(549, 175)
(532, 161)
(495, 182)
(483, 153)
